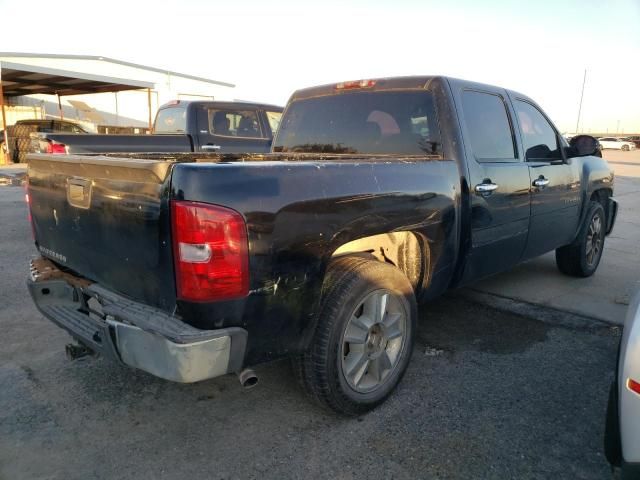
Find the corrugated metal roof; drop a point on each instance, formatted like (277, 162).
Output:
(19, 79)
(115, 61)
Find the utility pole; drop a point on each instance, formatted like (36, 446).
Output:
(584, 80)
(618, 128)
(4, 156)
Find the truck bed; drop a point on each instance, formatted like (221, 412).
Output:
(121, 237)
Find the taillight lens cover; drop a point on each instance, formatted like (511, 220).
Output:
(56, 148)
(210, 250)
(633, 385)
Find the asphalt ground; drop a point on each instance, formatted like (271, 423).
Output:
(488, 394)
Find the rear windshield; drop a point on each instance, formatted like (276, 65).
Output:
(171, 120)
(361, 123)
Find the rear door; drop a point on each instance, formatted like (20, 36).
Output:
(555, 182)
(498, 180)
(232, 129)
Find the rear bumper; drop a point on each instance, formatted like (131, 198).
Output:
(138, 335)
(612, 213)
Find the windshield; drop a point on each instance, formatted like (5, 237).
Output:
(361, 123)
(171, 120)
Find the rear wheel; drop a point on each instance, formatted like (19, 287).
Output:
(625, 148)
(582, 257)
(364, 337)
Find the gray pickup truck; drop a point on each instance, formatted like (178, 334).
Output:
(181, 126)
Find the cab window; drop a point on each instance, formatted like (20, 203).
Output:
(488, 125)
(538, 136)
(235, 123)
(274, 120)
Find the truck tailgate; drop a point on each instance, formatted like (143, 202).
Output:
(106, 219)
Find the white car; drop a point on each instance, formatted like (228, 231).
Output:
(622, 433)
(617, 143)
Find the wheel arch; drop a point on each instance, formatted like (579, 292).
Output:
(406, 250)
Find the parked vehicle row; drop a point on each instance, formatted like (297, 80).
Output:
(617, 143)
(377, 194)
(635, 139)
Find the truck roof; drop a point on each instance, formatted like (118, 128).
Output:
(215, 103)
(388, 83)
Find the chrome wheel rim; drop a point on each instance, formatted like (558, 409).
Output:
(373, 341)
(594, 240)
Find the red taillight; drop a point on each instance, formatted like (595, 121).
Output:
(355, 84)
(57, 148)
(633, 386)
(210, 252)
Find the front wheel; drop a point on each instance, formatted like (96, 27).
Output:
(364, 336)
(582, 257)
(625, 148)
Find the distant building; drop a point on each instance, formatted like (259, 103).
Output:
(110, 110)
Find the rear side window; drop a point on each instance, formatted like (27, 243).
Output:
(383, 122)
(538, 136)
(274, 120)
(68, 127)
(488, 125)
(235, 123)
(171, 120)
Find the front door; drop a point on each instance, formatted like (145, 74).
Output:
(498, 182)
(555, 183)
(231, 130)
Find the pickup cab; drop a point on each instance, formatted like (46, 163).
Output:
(181, 126)
(378, 194)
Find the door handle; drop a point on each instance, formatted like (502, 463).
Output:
(486, 188)
(541, 182)
(210, 147)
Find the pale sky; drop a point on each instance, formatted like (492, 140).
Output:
(269, 49)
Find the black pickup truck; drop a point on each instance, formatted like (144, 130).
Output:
(378, 194)
(181, 126)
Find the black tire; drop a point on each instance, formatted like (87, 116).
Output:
(23, 146)
(350, 281)
(612, 439)
(612, 445)
(625, 148)
(573, 259)
(22, 142)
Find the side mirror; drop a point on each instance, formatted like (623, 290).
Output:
(584, 145)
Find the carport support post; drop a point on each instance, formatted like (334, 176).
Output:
(5, 158)
(60, 106)
(149, 103)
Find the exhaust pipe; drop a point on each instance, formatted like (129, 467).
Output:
(248, 378)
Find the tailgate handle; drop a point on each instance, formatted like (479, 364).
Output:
(79, 192)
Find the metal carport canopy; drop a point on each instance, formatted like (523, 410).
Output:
(20, 79)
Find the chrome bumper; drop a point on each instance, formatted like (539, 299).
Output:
(138, 335)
